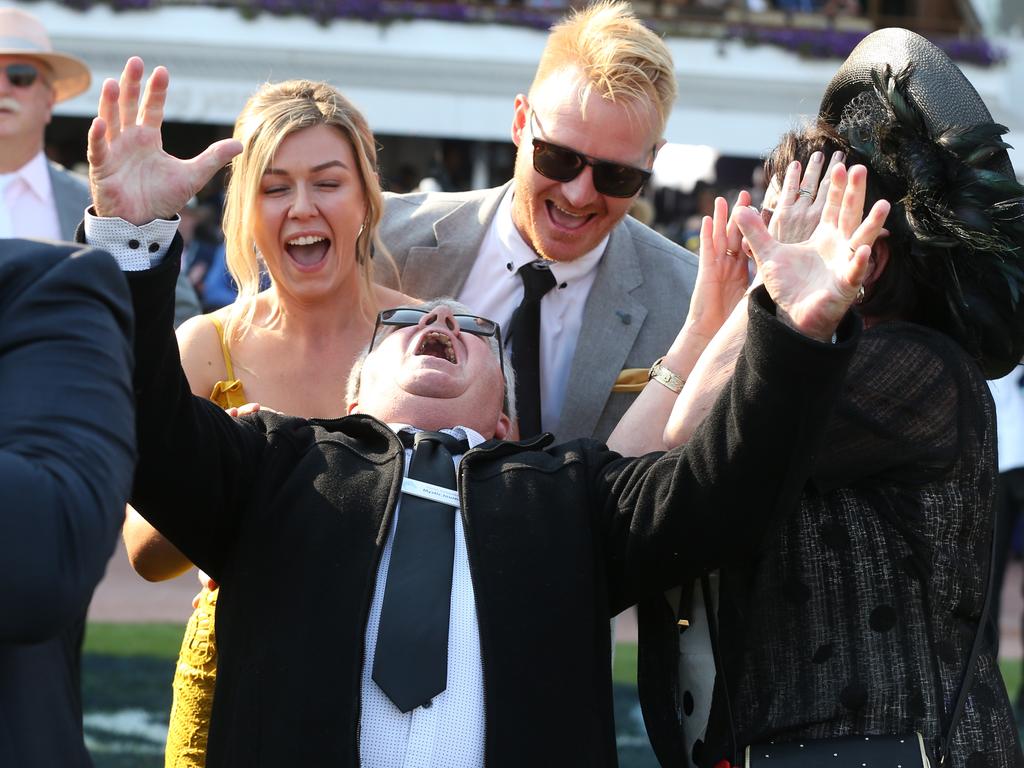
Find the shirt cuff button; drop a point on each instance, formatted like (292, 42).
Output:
(154, 247)
(133, 244)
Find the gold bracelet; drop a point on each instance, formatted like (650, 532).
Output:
(665, 377)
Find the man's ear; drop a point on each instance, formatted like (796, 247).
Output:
(501, 429)
(352, 408)
(658, 145)
(519, 111)
(49, 107)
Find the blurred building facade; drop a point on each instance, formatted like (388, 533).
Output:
(437, 79)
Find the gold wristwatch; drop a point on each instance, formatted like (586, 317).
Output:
(665, 377)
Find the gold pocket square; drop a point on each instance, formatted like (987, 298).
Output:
(631, 380)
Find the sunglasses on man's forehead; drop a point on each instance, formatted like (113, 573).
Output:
(21, 75)
(406, 317)
(563, 164)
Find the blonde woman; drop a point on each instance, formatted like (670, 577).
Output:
(303, 203)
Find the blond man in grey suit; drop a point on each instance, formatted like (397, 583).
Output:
(587, 134)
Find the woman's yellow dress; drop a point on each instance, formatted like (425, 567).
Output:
(196, 672)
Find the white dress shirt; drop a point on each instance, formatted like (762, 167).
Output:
(450, 732)
(29, 209)
(494, 289)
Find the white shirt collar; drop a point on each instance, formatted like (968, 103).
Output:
(520, 253)
(462, 433)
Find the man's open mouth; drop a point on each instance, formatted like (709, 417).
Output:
(307, 250)
(437, 344)
(567, 219)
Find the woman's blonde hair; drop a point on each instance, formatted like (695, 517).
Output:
(273, 113)
(619, 57)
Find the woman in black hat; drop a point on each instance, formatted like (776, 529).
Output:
(863, 615)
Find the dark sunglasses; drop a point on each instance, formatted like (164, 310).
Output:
(406, 317)
(563, 164)
(21, 75)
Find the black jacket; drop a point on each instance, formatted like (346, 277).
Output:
(67, 451)
(290, 516)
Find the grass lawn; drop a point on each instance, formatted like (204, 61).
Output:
(126, 684)
(158, 641)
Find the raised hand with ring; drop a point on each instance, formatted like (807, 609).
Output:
(813, 283)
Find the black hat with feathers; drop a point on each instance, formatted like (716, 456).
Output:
(930, 143)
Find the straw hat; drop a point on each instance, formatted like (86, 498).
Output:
(22, 34)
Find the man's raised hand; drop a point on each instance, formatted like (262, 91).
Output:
(130, 175)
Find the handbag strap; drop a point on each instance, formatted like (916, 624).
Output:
(712, 618)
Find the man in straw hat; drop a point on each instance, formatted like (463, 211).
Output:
(39, 198)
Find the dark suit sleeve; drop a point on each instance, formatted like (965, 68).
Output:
(67, 436)
(196, 463)
(672, 516)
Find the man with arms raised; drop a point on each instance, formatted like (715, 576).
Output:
(611, 293)
(489, 645)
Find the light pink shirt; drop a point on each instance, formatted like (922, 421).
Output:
(27, 200)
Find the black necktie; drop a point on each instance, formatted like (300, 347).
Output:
(411, 661)
(524, 337)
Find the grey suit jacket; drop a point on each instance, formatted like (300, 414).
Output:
(71, 194)
(635, 308)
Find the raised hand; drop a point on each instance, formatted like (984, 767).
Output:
(723, 274)
(130, 175)
(814, 283)
(800, 201)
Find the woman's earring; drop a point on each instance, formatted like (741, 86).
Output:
(860, 295)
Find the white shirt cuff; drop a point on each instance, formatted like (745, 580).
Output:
(134, 248)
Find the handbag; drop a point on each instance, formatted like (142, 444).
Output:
(863, 751)
(842, 752)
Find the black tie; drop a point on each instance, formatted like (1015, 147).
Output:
(411, 661)
(524, 336)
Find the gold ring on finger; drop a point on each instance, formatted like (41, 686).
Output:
(805, 193)
(731, 253)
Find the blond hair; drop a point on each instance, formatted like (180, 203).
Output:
(620, 58)
(273, 113)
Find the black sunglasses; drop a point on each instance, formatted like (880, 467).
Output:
(405, 317)
(563, 164)
(21, 75)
